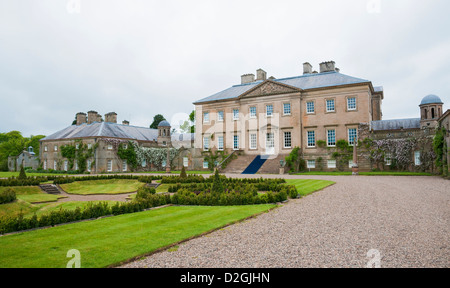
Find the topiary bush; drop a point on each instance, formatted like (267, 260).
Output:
(7, 196)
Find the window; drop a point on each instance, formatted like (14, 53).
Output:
(206, 117)
(164, 163)
(109, 166)
(89, 146)
(144, 163)
(310, 109)
(331, 164)
(350, 164)
(235, 114)
(89, 164)
(236, 142)
(66, 165)
(311, 139)
(253, 141)
(417, 158)
(252, 112)
(185, 161)
(205, 143)
(352, 136)
(77, 146)
(311, 164)
(45, 164)
(287, 109)
(287, 140)
(45, 148)
(55, 148)
(220, 116)
(220, 143)
(125, 146)
(331, 138)
(387, 159)
(351, 103)
(205, 165)
(330, 105)
(55, 165)
(110, 147)
(269, 110)
(124, 166)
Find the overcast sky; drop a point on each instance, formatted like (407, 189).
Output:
(139, 58)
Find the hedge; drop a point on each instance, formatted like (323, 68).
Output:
(7, 196)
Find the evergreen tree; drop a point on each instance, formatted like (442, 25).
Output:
(183, 173)
(22, 174)
(217, 186)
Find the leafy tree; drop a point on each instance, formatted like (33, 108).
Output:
(192, 119)
(13, 143)
(156, 120)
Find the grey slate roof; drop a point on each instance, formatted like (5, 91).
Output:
(304, 82)
(105, 129)
(396, 124)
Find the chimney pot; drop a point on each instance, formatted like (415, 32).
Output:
(111, 117)
(327, 66)
(247, 78)
(92, 116)
(125, 122)
(261, 75)
(81, 118)
(307, 68)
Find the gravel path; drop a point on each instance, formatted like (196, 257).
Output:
(405, 218)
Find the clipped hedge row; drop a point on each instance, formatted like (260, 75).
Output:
(93, 210)
(65, 180)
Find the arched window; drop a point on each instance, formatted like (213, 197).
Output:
(432, 113)
(425, 114)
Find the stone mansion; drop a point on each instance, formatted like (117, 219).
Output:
(261, 120)
(268, 116)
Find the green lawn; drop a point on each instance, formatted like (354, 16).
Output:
(306, 186)
(16, 174)
(178, 172)
(109, 241)
(112, 186)
(380, 173)
(31, 194)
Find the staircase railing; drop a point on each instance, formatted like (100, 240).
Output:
(226, 159)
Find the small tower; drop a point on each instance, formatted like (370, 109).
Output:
(164, 138)
(430, 111)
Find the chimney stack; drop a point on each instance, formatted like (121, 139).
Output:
(111, 117)
(261, 75)
(247, 78)
(307, 68)
(93, 117)
(327, 66)
(81, 118)
(125, 122)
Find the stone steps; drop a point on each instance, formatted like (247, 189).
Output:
(238, 165)
(50, 188)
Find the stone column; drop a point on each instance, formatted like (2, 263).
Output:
(355, 167)
(168, 161)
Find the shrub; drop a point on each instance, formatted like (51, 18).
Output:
(22, 174)
(7, 196)
(183, 173)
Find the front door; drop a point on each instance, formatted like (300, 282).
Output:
(270, 144)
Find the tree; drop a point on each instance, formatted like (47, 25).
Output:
(217, 186)
(192, 119)
(22, 174)
(183, 173)
(156, 120)
(13, 143)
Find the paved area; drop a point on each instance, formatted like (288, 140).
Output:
(406, 219)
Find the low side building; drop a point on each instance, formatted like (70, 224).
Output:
(27, 159)
(100, 142)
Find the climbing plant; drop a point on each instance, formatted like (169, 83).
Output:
(440, 149)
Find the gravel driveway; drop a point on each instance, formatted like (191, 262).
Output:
(405, 218)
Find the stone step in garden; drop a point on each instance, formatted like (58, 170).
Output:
(50, 189)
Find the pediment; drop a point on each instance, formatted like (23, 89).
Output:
(270, 88)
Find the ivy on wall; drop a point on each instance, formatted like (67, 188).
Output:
(135, 155)
(80, 153)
